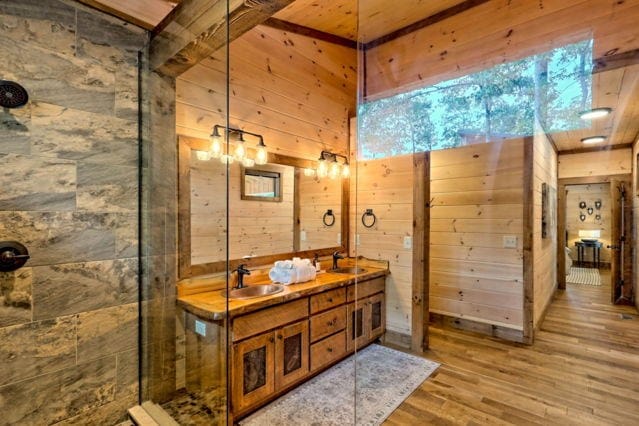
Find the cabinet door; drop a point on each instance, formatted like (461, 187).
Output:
(356, 330)
(376, 316)
(253, 374)
(291, 354)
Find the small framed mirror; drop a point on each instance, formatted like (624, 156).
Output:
(261, 184)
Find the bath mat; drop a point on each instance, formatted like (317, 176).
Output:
(586, 276)
(385, 378)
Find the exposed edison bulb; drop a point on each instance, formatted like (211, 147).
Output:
(203, 155)
(216, 145)
(248, 162)
(335, 170)
(261, 155)
(239, 151)
(226, 159)
(322, 168)
(309, 172)
(346, 170)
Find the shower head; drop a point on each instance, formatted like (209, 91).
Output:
(12, 95)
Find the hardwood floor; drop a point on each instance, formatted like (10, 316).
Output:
(582, 369)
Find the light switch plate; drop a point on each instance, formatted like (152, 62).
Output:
(510, 241)
(408, 242)
(357, 239)
(303, 235)
(339, 238)
(200, 328)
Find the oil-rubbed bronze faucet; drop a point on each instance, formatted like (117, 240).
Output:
(241, 271)
(337, 255)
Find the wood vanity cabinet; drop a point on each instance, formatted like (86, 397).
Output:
(282, 345)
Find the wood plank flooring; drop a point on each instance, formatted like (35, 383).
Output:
(582, 369)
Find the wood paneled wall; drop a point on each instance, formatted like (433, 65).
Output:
(635, 215)
(315, 198)
(386, 186)
(599, 163)
(509, 30)
(544, 249)
(256, 228)
(295, 91)
(476, 200)
(589, 193)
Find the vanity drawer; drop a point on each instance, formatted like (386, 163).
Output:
(268, 319)
(366, 288)
(328, 299)
(328, 350)
(327, 323)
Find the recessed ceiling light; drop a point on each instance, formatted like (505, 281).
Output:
(595, 113)
(593, 139)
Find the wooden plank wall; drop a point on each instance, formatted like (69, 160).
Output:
(509, 30)
(386, 186)
(476, 200)
(544, 249)
(589, 193)
(295, 91)
(316, 196)
(635, 223)
(599, 163)
(256, 228)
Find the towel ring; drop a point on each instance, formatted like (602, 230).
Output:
(369, 212)
(329, 213)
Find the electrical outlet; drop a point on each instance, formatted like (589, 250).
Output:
(339, 238)
(408, 242)
(303, 235)
(200, 328)
(510, 241)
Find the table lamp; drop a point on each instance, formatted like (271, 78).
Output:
(589, 235)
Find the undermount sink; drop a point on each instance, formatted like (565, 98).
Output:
(348, 270)
(252, 291)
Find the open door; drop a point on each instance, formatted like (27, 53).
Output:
(616, 240)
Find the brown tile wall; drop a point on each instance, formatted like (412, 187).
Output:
(69, 164)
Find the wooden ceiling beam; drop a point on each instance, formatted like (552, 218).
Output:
(198, 28)
(423, 23)
(291, 27)
(615, 61)
(145, 14)
(596, 148)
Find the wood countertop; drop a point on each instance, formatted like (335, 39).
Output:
(212, 305)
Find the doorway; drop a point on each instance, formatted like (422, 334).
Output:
(594, 226)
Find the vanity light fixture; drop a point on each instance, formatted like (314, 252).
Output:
(329, 165)
(595, 113)
(593, 139)
(239, 151)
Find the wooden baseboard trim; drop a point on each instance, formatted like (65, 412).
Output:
(444, 321)
(398, 339)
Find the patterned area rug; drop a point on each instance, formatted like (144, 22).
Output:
(385, 378)
(586, 276)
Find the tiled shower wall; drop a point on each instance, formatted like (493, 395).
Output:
(68, 179)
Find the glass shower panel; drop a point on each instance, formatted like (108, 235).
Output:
(184, 246)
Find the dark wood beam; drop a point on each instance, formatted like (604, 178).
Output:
(291, 27)
(613, 61)
(596, 148)
(423, 23)
(198, 28)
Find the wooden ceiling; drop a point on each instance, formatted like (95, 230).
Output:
(616, 87)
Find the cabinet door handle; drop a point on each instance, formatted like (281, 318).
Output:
(330, 300)
(330, 349)
(271, 340)
(279, 336)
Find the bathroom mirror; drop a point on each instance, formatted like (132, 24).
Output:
(275, 211)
